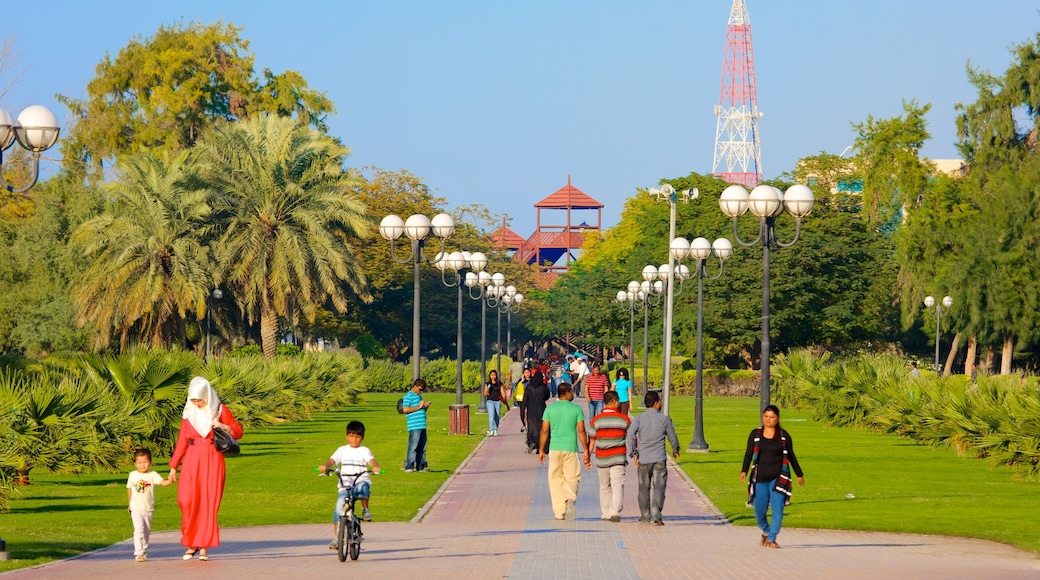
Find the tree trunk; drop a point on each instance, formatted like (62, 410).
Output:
(268, 331)
(991, 357)
(1007, 355)
(973, 353)
(948, 367)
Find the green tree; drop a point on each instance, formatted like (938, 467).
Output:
(166, 90)
(288, 220)
(888, 156)
(150, 268)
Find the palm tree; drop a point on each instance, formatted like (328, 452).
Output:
(288, 218)
(151, 265)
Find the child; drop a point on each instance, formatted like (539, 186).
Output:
(352, 459)
(140, 494)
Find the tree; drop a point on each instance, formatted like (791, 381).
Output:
(165, 91)
(151, 266)
(288, 220)
(893, 174)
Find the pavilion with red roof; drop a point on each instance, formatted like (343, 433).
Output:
(553, 243)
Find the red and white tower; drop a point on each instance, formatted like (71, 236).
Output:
(738, 157)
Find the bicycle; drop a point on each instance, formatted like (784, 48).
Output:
(348, 536)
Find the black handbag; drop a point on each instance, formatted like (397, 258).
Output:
(225, 443)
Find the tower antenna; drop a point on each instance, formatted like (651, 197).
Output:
(738, 155)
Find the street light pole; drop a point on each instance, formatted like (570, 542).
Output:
(217, 295)
(463, 264)
(417, 228)
(700, 249)
(947, 302)
(767, 203)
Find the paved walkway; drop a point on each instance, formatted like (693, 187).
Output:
(492, 519)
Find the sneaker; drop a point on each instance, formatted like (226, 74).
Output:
(615, 519)
(366, 514)
(408, 470)
(494, 433)
(658, 523)
(425, 470)
(571, 511)
(333, 544)
(140, 558)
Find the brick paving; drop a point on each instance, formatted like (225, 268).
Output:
(492, 519)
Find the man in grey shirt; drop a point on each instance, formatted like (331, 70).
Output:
(646, 447)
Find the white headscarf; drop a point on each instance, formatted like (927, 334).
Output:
(202, 419)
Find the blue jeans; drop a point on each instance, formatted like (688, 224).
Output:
(553, 383)
(416, 450)
(360, 491)
(493, 409)
(766, 497)
(653, 478)
(595, 408)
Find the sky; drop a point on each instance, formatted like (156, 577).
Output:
(498, 102)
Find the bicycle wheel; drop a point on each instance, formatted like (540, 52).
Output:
(355, 538)
(342, 538)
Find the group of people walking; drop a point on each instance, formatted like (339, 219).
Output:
(556, 431)
(611, 438)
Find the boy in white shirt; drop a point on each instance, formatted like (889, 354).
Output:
(352, 459)
(140, 495)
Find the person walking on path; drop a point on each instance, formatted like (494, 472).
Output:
(607, 438)
(581, 369)
(770, 455)
(596, 384)
(623, 387)
(646, 446)
(536, 396)
(494, 392)
(415, 412)
(201, 484)
(566, 423)
(519, 389)
(140, 496)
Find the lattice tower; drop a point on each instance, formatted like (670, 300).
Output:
(738, 156)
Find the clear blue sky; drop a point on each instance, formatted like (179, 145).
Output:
(496, 102)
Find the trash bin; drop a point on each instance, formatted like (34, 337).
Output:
(458, 420)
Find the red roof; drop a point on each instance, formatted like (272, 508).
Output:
(569, 196)
(506, 238)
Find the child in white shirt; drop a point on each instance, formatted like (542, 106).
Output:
(353, 459)
(140, 494)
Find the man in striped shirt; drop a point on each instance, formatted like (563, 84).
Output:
(607, 437)
(596, 385)
(646, 445)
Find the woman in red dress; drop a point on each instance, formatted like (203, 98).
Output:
(201, 483)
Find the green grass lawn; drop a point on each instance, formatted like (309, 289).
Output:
(899, 486)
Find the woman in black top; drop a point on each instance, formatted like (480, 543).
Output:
(494, 392)
(770, 455)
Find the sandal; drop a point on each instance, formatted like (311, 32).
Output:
(204, 555)
(765, 539)
(189, 554)
(773, 545)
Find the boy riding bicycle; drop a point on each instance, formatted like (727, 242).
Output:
(353, 460)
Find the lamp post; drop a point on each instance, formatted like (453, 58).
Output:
(767, 203)
(217, 295)
(487, 286)
(461, 264)
(668, 193)
(418, 227)
(36, 130)
(700, 249)
(651, 287)
(505, 297)
(946, 303)
(512, 303)
(631, 296)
